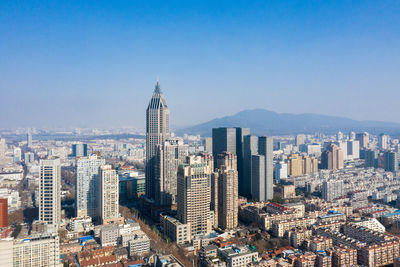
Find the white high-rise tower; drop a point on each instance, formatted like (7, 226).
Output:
(50, 191)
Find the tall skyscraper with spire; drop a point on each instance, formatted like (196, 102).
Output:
(157, 131)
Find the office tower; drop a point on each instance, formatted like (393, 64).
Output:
(227, 190)
(332, 189)
(371, 158)
(352, 136)
(194, 195)
(332, 157)
(29, 139)
(339, 137)
(363, 138)
(17, 154)
(383, 141)
(265, 148)
(230, 140)
(157, 131)
(50, 191)
(208, 144)
(86, 185)
(37, 251)
(353, 149)
(223, 139)
(391, 161)
(300, 139)
(3, 148)
(240, 134)
(108, 195)
(79, 150)
(29, 158)
(250, 148)
(170, 155)
(3, 212)
(258, 177)
(281, 171)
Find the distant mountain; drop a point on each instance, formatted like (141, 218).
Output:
(265, 122)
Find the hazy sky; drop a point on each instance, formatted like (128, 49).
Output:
(94, 63)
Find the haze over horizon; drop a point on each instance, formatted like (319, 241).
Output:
(94, 64)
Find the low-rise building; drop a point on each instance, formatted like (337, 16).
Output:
(279, 228)
(318, 243)
(38, 250)
(174, 229)
(237, 256)
(139, 243)
(344, 257)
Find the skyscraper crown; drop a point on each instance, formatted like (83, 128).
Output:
(157, 100)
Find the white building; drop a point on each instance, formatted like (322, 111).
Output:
(237, 256)
(373, 224)
(353, 150)
(37, 250)
(50, 191)
(139, 243)
(6, 252)
(383, 141)
(86, 189)
(332, 189)
(281, 171)
(108, 194)
(29, 158)
(14, 200)
(17, 154)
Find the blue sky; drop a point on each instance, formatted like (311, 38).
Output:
(94, 63)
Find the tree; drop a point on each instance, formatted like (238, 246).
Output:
(16, 217)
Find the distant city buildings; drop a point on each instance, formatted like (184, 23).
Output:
(281, 171)
(79, 150)
(300, 139)
(391, 161)
(383, 141)
(29, 138)
(299, 165)
(353, 150)
(363, 138)
(3, 148)
(29, 158)
(332, 157)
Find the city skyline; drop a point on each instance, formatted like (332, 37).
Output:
(272, 145)
(71, 59)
